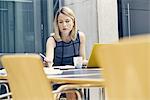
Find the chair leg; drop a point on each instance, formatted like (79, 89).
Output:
(7, 94)
(57, 96)
(65, 88)
(103, 93)
(79, 97)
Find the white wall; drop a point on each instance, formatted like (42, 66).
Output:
(108, 21)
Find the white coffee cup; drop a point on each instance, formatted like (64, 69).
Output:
(77, 62)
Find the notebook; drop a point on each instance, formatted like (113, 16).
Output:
(92, 62)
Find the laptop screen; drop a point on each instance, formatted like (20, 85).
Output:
(95, 55)
(92, 62)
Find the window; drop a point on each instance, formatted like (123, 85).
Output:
(25, 25)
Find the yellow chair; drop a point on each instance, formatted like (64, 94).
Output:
(26, 77)
(126, 69)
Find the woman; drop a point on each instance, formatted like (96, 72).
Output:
(66, 42)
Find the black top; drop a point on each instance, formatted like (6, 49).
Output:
(64, 52)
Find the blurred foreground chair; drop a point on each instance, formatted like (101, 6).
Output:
(126, 69)
(26, 77)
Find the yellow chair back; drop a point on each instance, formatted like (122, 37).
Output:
(126, 69)
(26, 77)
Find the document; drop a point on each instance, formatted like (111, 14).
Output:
(3, 72)
(52, 71)
(64, 67)
(47, 71)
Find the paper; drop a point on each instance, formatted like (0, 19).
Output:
(51, 71)
(3, 72)
(64, 67)
(47, 71)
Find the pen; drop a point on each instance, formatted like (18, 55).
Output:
(42, 56)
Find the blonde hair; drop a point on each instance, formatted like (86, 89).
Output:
(68, 12)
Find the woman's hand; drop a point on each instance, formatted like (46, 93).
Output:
(84, 62)
(48, 62)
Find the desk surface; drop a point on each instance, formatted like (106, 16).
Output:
(89, 76)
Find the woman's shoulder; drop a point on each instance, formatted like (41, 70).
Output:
(51, 41)
(51, 38)
(81, 34)
(52, 34)
(55, 37)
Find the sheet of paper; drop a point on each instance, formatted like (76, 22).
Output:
(52, 71)
(47, 71)
(3, 72)
(64, 67)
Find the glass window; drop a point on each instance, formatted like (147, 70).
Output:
(25, 25)
(18, 26)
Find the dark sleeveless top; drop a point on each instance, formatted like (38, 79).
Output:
(64, 52)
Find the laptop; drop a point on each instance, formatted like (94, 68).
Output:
(92, 62)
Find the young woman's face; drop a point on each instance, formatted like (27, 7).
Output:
(65, 23)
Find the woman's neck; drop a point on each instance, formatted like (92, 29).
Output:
(66, 38)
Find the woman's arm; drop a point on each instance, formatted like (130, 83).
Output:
(82, 47)
(50, 45)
